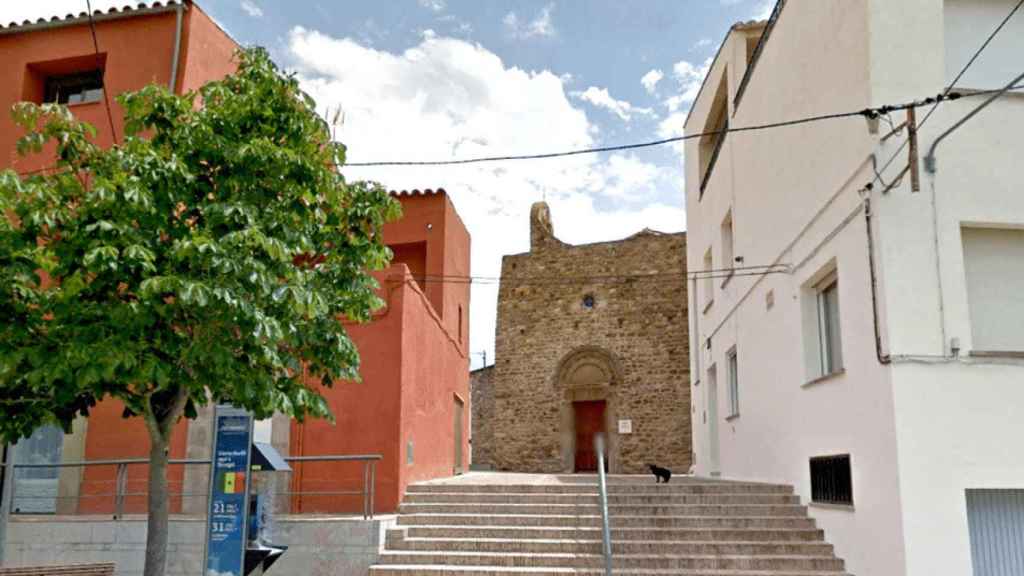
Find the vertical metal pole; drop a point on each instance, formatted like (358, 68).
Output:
(373, 483)
(6, 496)
(366, 490)
(121, 486)
(605, 529)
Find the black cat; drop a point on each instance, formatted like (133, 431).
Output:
(660, 473)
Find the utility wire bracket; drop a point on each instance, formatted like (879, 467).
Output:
(915, 172)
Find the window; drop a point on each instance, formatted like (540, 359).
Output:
(588, 301)
(710, 145)
(709, 283)
(831, 482)
(822, 330)
(79, 88)
(734, 383)
(830, 344)
(460, 323)
(995, 288)
(35, 489)
(727, 250)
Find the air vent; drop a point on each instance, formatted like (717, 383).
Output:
(831, 481)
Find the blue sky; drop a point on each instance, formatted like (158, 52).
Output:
(438, 79)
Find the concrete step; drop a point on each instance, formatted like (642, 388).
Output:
(594, 520)
(594, 533)
(658, 562)
(645, 498)
(447, 570)
(627, 547)
(675, 488)
(744, 510)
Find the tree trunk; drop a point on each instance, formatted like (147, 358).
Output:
(159, 505)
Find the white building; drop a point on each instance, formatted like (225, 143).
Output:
(926, 419)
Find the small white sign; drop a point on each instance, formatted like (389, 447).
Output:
(625, 426)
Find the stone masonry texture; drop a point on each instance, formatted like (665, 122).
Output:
(604, 321)
(481, 383)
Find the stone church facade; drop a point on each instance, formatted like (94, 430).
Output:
(591, 338)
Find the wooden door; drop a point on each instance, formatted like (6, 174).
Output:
(589, 418)
(458, 436)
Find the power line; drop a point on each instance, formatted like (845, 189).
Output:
(988, 41)
(556, 280)
(867, 113)
(637, 275)
(949, 89)
(103, 79)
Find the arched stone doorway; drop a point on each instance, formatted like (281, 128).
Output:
(588, 380)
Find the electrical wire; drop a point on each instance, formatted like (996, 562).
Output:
(552, 280)
(949, 89)
(867, 113)
(103, 79)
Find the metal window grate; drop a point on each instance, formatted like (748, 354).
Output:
(831, 480)
(76, 88)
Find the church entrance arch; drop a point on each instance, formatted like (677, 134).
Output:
(588, 380)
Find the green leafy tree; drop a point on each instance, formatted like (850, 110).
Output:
(207, 258)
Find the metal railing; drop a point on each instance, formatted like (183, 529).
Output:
(124, 487)
(606, 533)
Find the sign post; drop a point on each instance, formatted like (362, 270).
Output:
(226, 523)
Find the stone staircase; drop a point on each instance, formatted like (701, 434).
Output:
(510, 525)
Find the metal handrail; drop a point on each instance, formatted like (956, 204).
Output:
(606, 533)
(367, 491)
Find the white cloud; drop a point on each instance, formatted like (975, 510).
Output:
(651, 79)
(764, 9)
(435, 5)
(600, 98)
(689, 77)
(447, 98)
(626, 175)
(541, 26)
(701, 44)
(252, 9)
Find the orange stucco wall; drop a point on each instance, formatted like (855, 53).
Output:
(433, 379)
(413, 354)
(412, 367)
(134, 51)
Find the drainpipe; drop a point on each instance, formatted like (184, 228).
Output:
(882, 358)
(929, 160)
(172, 84)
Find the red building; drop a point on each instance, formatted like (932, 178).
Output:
(412, 405)
(408, 407)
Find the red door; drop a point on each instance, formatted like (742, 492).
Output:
(589, 421)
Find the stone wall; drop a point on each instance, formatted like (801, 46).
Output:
(481, 383)
(316, 546)
(605, 321)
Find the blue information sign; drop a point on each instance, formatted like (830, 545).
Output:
(229, 493)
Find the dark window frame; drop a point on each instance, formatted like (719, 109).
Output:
(61, 88)
(832, 480)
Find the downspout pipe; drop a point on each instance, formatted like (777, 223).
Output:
(172, 84)
(883, 358)
(929, 160)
